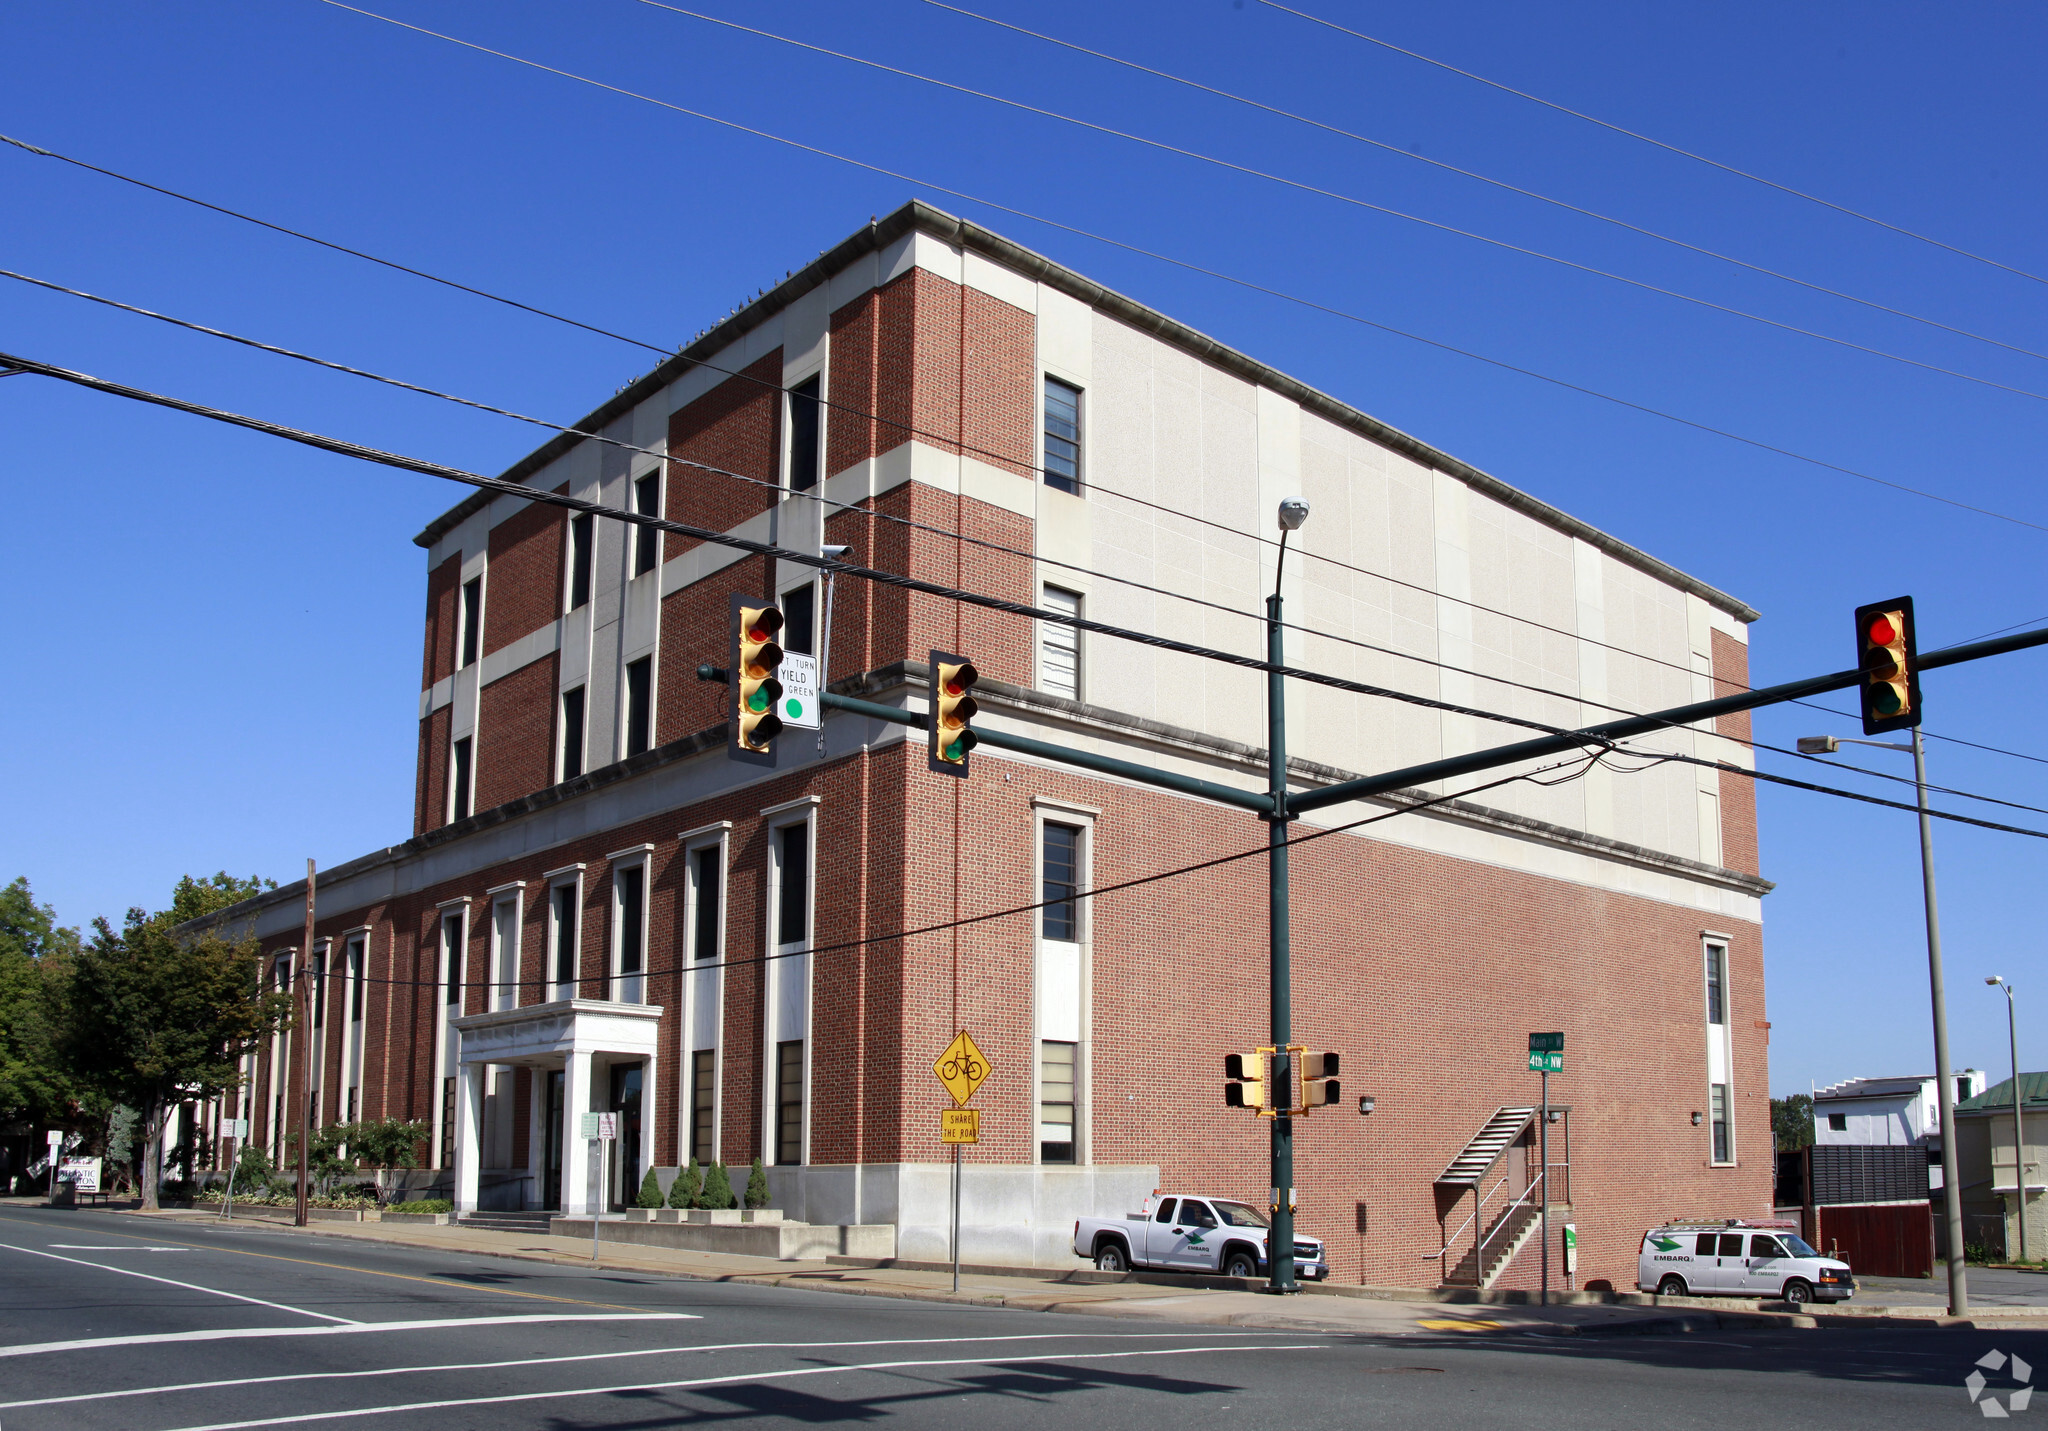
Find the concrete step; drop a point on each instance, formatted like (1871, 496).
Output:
(534, 1222)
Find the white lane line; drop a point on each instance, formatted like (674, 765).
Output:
(114, 1247)
(783, 1375)
(188, 1286)
(234, 1334)
(558, 1360)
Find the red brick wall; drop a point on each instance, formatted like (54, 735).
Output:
(442, 582)
(516, 733)
(696, 627)
(1738, 792)
(737, 426)
(430, 802)
(524, 590)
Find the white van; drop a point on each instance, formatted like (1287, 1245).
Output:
(1735, 1258)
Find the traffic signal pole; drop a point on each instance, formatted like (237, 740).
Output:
(1280, 1240)
(1945, 1088)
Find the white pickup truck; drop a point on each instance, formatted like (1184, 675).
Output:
(1176, 1233)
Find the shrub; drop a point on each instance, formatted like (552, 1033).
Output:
(688, 1186)
(717, 1187)
(423, 1205)
(253, 1172)
(650, 1191)
(757, 1185)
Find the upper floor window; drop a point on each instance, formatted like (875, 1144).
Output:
(1061, 864)
(793, 884)
(1062, 435)
(580, 528)
(639, 704)
(800, 619)
(451, 958)
(572, 733)
(629, 885)
(318, 969)
(1059, 646)
(505, 954)
(462, 781)
(472, 620)
(1717, 984)
(358, 976)
(564, 924)
(646, 540)
(706, 870)
(805, 451)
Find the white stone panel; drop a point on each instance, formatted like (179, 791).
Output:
(1059, 990)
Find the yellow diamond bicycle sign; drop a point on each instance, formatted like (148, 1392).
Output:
(961, 1067)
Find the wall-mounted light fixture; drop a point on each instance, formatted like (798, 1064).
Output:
(1366, 1105)
(1696, 1119)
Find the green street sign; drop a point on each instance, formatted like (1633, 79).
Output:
(1546, 1043)
(1540, 1062)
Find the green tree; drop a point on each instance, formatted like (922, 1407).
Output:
(1792, 1122)
(36, 957)
(757, 1185)
(153, 1016)
(650, 1191)
(717, 1187)
(688, 1187)
(382, 1143)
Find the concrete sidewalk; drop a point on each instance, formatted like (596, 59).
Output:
(1378, 1311)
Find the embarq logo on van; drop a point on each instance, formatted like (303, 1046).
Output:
(1990, 1405)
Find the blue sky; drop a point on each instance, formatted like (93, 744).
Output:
(215, 636)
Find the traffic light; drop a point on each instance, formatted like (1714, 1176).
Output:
(1319, 1086)
(755, 657)
(1247, 1087)
(1890, 663)
(952, 712)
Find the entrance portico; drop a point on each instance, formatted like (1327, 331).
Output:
(575, 1037)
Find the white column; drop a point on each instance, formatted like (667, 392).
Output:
(575, 1147)
(648, 1128)
(469, 1109)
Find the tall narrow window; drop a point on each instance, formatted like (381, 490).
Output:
(564, 931)
(318, 969)
(451, 957)
(1059, 646)
(580, 527)
(704, 937)
(472, 619)
(646, 540)
(803, 435)
(459, 788)
(639, 703)
(792, 922)
(1718, 1105)
(505, 954)
(789, 1101)
(703, 1103)
(447, 1122)
(1055, 1102)
(631, 883)
(358, 979)
(1062, 436)
(1061, 860)
(572, 733)
(1717, 984)
(800, 619)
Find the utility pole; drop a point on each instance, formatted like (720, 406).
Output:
(2019, 1130)
(1945, 1090)
(1280, 1241)
(306, 1027)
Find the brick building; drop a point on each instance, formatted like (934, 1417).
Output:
(597, 909)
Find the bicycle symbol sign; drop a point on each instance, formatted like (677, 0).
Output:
(962, 1067)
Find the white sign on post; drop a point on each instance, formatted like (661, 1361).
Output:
(601, 1125)
(799, 676)
(82, 1173)
(237, 1128)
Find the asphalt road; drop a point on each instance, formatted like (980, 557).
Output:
(111, 1322)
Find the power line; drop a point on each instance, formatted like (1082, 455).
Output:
(1501, 184)
(1658, 143)
(1193, 267)
(1343, 198)
(345, 448)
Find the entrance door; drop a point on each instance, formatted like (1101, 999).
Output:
(626, 1103)
(551, 1141)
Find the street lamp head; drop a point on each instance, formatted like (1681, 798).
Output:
(1818, 745)
(1293, 512)
(1994, 979)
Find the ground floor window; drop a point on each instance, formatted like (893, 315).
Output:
(703, 1104)
(1718, 1105)
(789, 1101)
(1055, 1102)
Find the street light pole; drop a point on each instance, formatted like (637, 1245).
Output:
(2019, 1132)
(1280, 1239)
(1944, 1082)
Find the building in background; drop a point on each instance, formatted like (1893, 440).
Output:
(596, 909)
(1869, 1112)
(1990, 1174)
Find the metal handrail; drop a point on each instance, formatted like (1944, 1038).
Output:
(1477, 1208)
(1540, 1181)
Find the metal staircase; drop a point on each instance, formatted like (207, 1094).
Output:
(1495, 1241)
